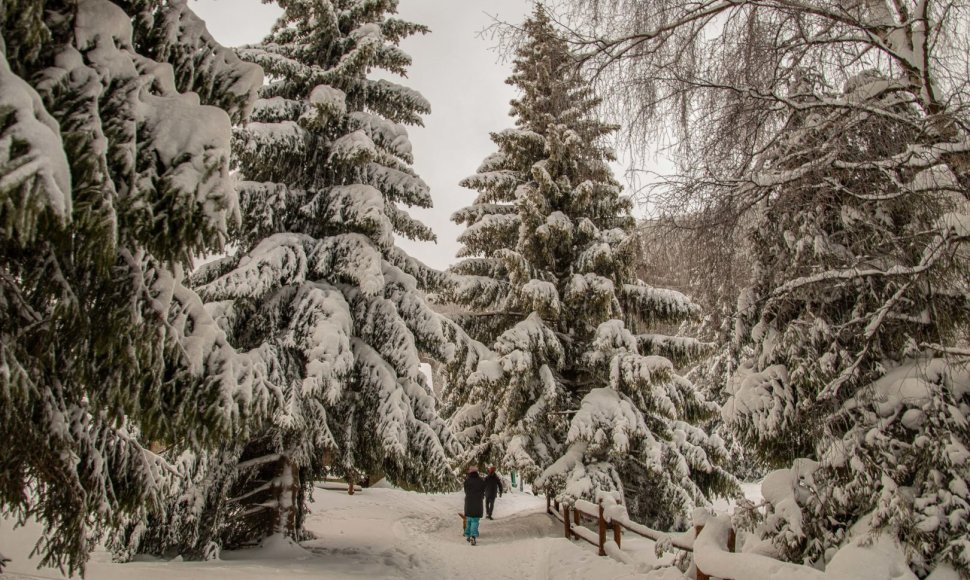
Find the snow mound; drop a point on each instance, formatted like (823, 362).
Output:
(275, 547)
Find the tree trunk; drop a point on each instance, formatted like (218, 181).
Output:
(286, 488)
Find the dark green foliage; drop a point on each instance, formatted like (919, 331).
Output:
(98, 216)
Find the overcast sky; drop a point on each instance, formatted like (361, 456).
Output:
(454, 67)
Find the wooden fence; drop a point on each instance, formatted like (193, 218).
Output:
(573, 516)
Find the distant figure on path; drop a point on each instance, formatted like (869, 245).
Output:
(493, 487)
(474, 497)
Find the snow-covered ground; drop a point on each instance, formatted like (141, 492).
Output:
(383, 533)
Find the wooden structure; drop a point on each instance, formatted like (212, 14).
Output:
(573, 516)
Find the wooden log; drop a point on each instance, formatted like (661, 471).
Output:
(602, 531)
(565, 520)
(700, 575)
(548, 503)
(732, 540)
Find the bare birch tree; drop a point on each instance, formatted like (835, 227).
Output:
(717, 80)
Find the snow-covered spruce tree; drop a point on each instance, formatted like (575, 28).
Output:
(110, 180)
(849, 336)
(580, 398)
(318, 285)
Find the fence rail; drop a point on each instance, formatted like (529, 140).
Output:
(572, 516)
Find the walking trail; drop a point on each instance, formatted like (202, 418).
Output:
(376, 533)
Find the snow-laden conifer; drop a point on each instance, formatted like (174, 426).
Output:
(850, 338)
(581, 396)
(112, 176)
(318, 286)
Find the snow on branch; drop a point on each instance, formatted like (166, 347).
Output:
(396, 102)
(398, 185)
(580, 478)
(427, 278)
(351, 257)
(278, 259)
(953, 232)
(657, 303)
(34, 172)
(178, 36)
(321, 327)
(473, 213)
(277, 110)
(357, 207)
(387, 134)
(679, 349)
(761, 399)
(241, 384)
(607, 420)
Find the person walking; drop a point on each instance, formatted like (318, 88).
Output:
(474, 497)
(493, 487)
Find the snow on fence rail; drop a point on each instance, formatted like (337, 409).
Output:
(720, 541)
(712, 543)
(713, 552)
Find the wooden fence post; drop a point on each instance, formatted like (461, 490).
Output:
(565, 519)
(732, 540)
(700, 575)
(602, 530)
(617, 533)
(548, 503)
(576, 519)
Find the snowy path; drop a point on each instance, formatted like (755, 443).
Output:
(425, 538)
(378, 533)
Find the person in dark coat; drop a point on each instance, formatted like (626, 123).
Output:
(474, 498)
(493, 487)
